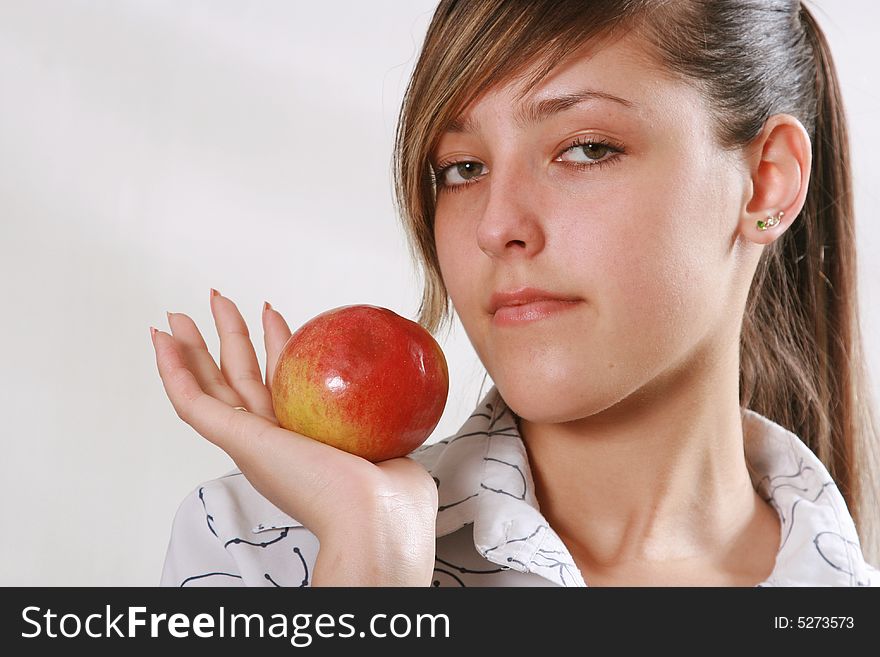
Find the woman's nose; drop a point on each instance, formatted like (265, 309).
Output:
(510, 224)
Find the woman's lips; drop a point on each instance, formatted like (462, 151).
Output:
(531, 312)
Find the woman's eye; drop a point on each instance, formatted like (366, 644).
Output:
(465, 171)
(592, 151)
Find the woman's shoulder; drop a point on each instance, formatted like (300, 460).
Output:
(226, 533)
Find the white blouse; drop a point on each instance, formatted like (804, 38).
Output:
(490, 531)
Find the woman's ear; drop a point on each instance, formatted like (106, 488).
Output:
(779, 168)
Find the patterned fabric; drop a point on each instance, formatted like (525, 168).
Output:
(490, 531)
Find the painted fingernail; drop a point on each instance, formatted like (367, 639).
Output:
(214, 293)
(266, 306)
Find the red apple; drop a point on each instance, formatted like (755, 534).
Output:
(363, 379)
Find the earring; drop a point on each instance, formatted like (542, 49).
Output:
(771, 221)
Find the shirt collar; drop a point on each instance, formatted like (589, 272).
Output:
(483, 478)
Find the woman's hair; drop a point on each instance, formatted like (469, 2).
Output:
(801, 353)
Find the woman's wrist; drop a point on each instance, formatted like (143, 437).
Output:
(379, 549)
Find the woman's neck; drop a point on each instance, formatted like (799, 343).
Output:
(658, 482)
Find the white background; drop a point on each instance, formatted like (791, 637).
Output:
(151, 150)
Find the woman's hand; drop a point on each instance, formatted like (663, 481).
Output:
(375, 522)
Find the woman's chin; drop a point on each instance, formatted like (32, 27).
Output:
(544, 403)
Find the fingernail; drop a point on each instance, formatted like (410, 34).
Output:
(153, 334)
(214, 293)
(266, 306)
(168, 315)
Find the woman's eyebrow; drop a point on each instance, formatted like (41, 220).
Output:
(531, 113)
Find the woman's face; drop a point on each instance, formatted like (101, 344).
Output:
(645, 238)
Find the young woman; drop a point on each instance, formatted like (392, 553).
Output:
(641, 212)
